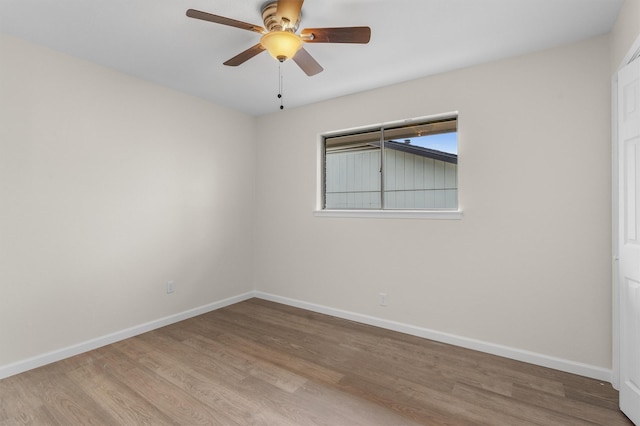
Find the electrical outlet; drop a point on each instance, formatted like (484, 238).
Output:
(171, 287)
(383, 299)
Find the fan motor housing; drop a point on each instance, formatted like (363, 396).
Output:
(271, 21)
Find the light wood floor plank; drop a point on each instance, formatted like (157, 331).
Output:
(122, 403)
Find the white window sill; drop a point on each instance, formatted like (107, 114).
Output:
(392, 214)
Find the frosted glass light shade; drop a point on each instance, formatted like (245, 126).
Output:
(282, 45)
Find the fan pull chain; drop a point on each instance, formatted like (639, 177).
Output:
(280, 85)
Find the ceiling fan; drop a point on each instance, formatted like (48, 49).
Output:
(281, 19)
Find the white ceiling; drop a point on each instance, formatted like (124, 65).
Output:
(154, 40)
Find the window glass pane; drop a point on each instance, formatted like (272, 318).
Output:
(421, 167)
(352, 172)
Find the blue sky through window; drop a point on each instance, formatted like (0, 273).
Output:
(446, 142)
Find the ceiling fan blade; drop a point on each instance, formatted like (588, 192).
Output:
(289, 10)
(245, 56)
(192, 13)
(360, 35)
(305, 61)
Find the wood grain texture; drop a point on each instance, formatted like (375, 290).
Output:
(262, 363)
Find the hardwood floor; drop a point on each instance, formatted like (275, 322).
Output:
(262, 363)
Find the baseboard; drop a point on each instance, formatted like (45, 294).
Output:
(568, 366)
(47, 358)
(581, 369)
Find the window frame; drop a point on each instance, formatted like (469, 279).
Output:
(427, 213)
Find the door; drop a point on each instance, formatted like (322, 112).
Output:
(629, 237)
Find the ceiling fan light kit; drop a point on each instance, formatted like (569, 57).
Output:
(281, 19)
(282, 45)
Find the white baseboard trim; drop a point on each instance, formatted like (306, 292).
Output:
(568, 366)
(57, 355)
(573, 367)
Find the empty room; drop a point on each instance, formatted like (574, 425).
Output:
(336, 212)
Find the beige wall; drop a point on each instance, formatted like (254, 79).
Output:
(625, 32)
(109, 187)
(527, 267)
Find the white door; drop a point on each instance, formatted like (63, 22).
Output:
(629, 237)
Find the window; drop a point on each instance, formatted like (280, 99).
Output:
(409, 166)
